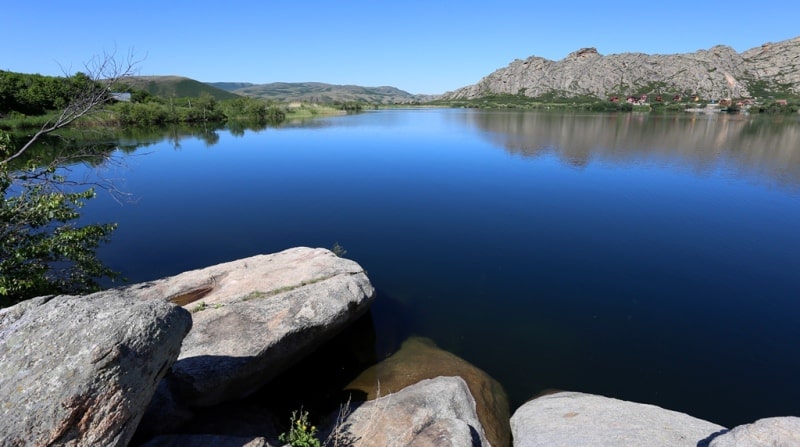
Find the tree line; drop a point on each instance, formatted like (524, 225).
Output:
(32, 95)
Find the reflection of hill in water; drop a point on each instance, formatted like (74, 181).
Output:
(763, 146)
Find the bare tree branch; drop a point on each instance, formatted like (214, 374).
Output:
(102, 73)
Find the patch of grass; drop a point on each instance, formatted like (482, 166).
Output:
(19, 121)
(254, 295)
(767, 89)
(201, 306)
(261, 294)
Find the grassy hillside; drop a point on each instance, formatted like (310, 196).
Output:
(176, 86)
(230, 86)
(321, 93)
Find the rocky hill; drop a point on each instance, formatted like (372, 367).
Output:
(318, 92)
(773, 69)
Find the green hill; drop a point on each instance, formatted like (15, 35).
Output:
(321, 93)
(176, 86)
(230, 86)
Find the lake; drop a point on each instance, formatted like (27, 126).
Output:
(647, 257)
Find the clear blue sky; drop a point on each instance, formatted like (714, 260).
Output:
(417, 46)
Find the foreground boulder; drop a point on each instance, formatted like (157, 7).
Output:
(255, 317)
(419, 359)
(435, 412)
(81, 370)
(578, 420)
(206, 441)
(769, 432)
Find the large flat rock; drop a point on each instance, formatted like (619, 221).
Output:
(255, 317)
(586, 420)
(81, 370)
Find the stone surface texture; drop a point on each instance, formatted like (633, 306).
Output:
(433, 412)
(769, 432)
(719, 72)
(255, 317)
(584, 420)
(206, 441)
(419, 359)
(80, 370)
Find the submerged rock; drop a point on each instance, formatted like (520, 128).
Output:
(81, 370)
(584, 420)
(435, 412)
(255, 317)
(419, 359)
(769, 432)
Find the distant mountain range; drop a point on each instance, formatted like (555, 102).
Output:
(316, 92)
(773, 69)
(319, 92)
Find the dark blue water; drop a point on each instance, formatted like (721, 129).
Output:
(644, 257)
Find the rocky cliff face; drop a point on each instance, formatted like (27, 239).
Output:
(719, 72)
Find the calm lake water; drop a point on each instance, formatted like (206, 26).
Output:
(653, 258)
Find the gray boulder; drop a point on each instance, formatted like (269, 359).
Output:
(418, 359)
(206, 441)
(770, 432)
(254, 318)
(433, 412)
(81, 370)
(577, 420)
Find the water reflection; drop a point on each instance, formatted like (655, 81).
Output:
(767, 147)
(625, 278)
(132, 138)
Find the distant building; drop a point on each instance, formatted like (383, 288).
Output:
(121, 96)
(634, 100)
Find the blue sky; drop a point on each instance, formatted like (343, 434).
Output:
(417, 46)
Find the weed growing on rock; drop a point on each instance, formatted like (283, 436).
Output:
(301, 433)
(338, 250)
(201, 306)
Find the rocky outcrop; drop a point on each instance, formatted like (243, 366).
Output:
(719, 72)
(578, 420)
(435, 412)
(770, 432)
(81, 370)
(255, 317)
(777, 63)
(419, 359)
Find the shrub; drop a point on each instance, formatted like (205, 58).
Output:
(301, 433)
